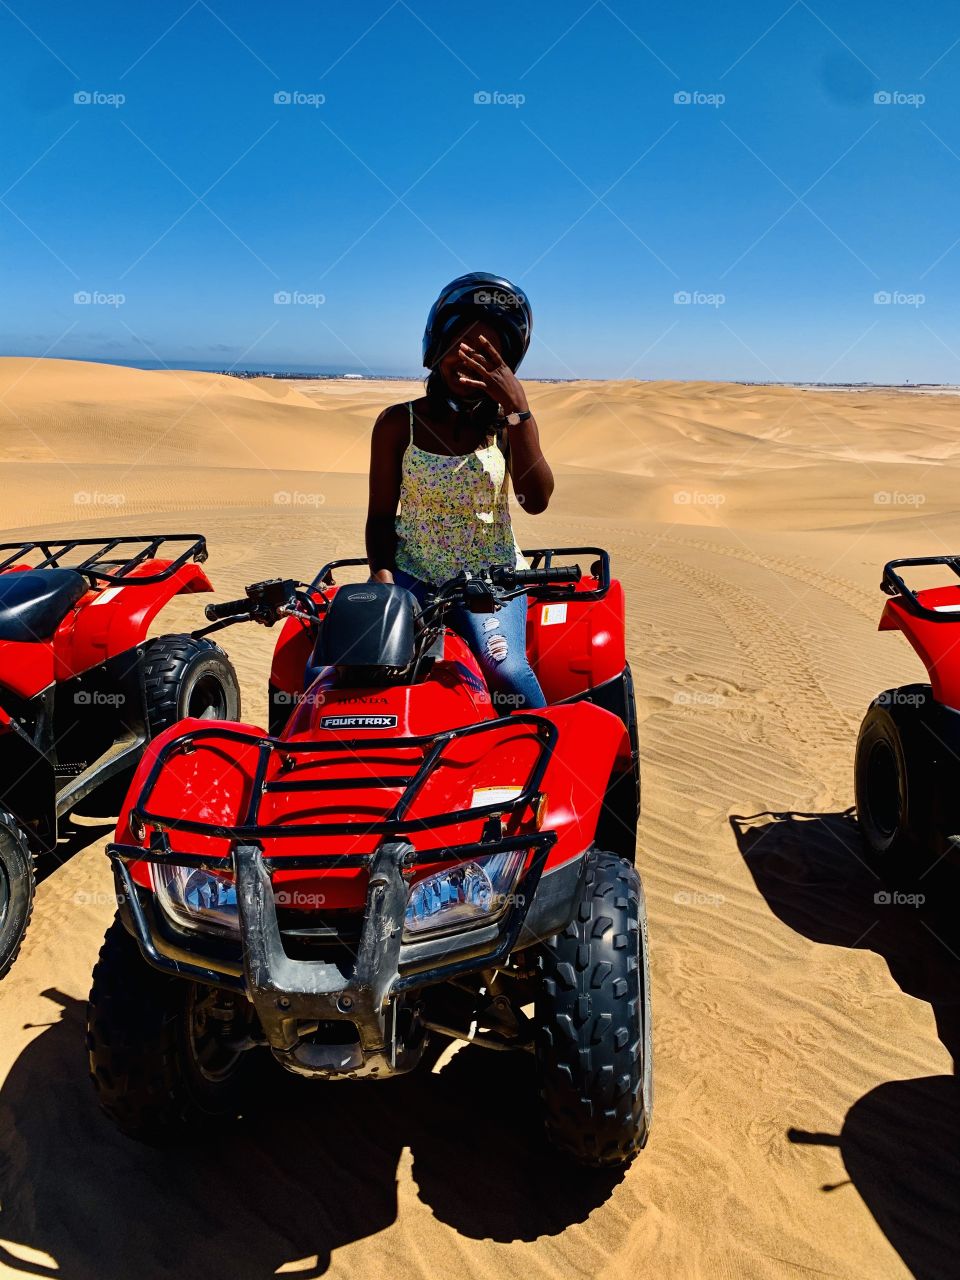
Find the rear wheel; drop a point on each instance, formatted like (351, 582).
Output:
(165, 1054)
(185, 676)
(594, 1047)
(17, 887)
(901, 803)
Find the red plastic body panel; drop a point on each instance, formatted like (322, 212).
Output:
(114, 620)
(212, 783)
(573, 649)
(574, 645)
(101, 625)
(937, 643)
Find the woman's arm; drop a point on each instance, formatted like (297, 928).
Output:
(387, 445)
(529, 469)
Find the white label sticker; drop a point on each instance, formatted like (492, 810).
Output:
(493, 795)
(107, 596)
(552, 614)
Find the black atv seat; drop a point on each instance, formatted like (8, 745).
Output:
(34, 602)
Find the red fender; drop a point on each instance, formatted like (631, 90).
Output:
(937, 643)
(111, 621)
(575, 645)
(212, 783)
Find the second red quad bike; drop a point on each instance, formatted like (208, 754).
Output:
(907, 775)
(82, 689)
(390, 862)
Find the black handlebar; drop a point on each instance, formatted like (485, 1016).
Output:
(541, 577)
(228, 609)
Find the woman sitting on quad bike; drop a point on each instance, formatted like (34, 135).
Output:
(443, 461)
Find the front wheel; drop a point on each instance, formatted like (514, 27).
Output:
(17, 887)
(166, 1055)
(594, 1044)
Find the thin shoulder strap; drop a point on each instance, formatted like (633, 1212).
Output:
(410, 407)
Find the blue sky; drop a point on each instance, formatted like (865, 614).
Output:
(781, 199)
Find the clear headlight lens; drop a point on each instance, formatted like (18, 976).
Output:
(470, 893)
(197, 899)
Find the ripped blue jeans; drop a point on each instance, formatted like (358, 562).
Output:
(499, 643)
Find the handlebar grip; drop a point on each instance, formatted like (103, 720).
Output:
(228, 609)
(537, 577)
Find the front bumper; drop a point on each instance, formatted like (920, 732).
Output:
(302, 1003)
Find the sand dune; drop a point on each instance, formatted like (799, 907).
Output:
(807, 1115)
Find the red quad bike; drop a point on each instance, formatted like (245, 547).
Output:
(81, 688)
(392, 862)
(906, 774)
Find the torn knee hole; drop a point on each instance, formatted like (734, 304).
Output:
(497, 646)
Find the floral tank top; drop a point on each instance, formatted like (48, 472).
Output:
(454, 513)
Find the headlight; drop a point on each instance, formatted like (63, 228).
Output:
(470, 893)
(197, 899)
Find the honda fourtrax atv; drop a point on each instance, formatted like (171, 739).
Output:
(908, 753)
(81, 688)
(392, 862)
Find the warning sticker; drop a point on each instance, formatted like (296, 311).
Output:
(358, 722)
(552, 614)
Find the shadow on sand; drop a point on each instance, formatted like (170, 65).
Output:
(900, 1143)
(313, 1169)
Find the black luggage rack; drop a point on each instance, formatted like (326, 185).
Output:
(540, 558)
(894, 585)
(93, 553)
(395, 825)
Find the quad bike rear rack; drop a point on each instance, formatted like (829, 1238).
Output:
(50, 553)
(539, 557)
(893, 584)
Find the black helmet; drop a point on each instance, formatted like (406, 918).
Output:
(479, 296)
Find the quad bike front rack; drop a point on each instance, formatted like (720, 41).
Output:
(287, 991)
(93, 553)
